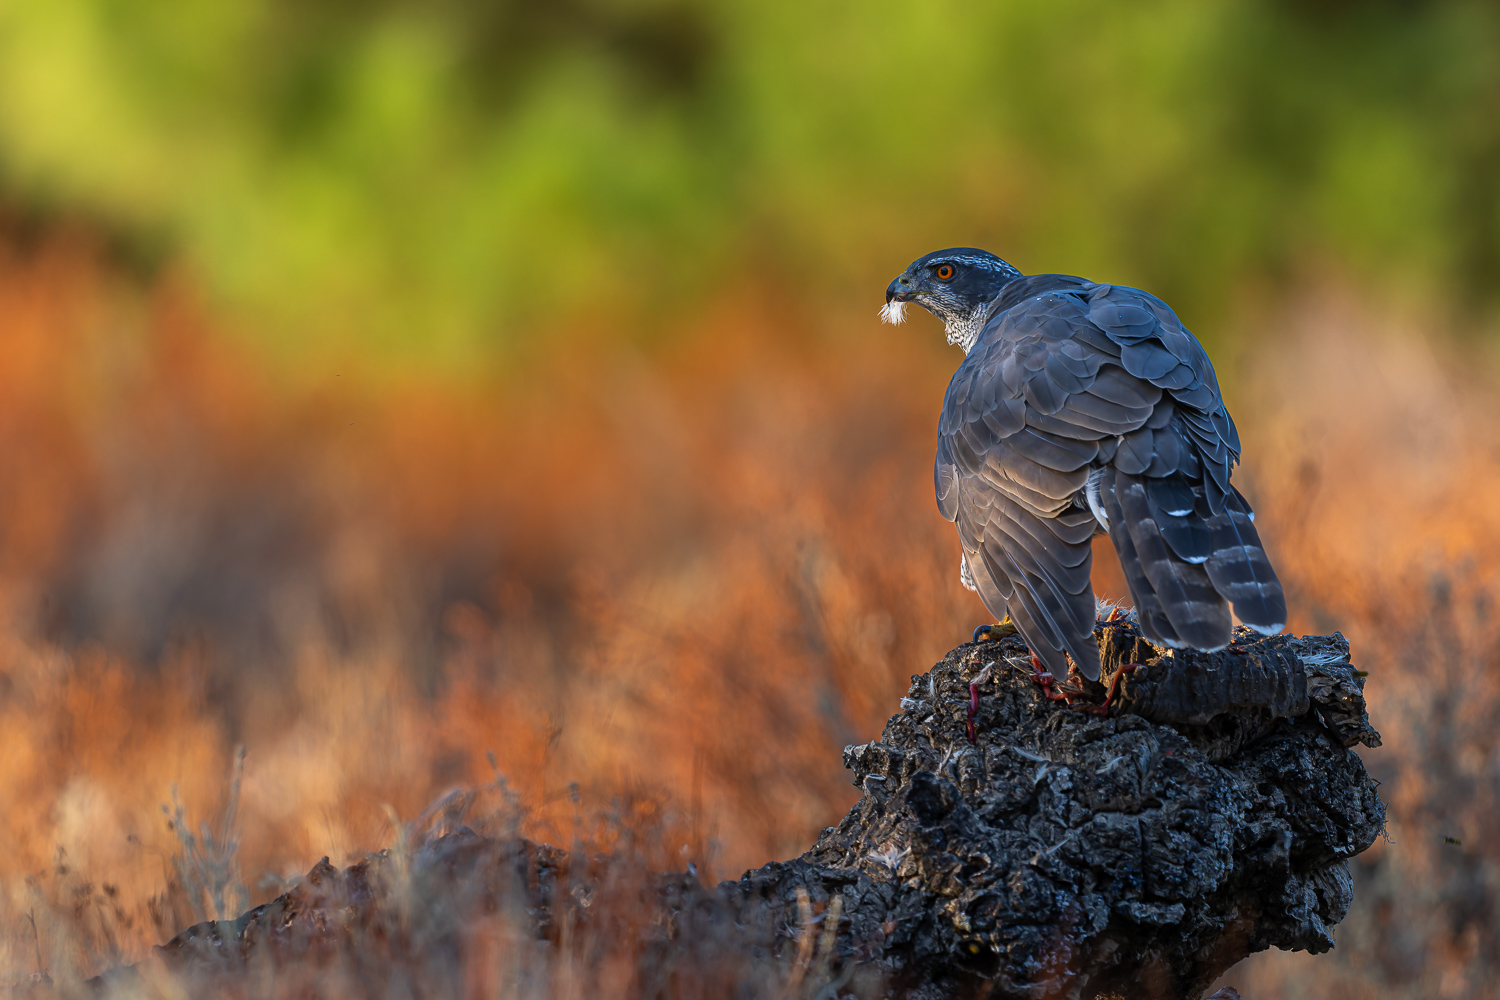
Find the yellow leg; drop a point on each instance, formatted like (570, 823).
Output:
(999, 630)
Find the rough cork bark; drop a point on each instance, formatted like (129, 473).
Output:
(1145, 852)
(1209, 814)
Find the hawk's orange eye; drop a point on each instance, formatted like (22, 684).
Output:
(945, 271)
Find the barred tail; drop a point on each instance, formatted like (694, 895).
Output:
(1164, 547)
(1240, 570)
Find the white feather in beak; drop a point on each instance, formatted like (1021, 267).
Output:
(893, 312)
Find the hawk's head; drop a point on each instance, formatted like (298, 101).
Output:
(954, 285)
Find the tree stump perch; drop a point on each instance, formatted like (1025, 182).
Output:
(1146, 851)
(1211, 813)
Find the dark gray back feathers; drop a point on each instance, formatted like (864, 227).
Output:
(1071, 378)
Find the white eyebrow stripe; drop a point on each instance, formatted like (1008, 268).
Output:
(984, 262)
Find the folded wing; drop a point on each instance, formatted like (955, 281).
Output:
(1069, 378)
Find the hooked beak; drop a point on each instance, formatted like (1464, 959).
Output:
(897, 294)
(900, 290)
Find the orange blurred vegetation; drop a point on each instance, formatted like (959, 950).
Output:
(686, 577)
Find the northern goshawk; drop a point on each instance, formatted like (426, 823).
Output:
(1083, 408)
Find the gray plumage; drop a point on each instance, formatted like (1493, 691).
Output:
(1079, 406)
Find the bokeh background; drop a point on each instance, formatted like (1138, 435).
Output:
(408, 392)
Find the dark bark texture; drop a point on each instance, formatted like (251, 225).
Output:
(1066, 853)
(1208, 814)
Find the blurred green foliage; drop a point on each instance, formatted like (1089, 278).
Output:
(442, 178)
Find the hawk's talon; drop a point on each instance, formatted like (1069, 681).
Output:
(999, 630)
